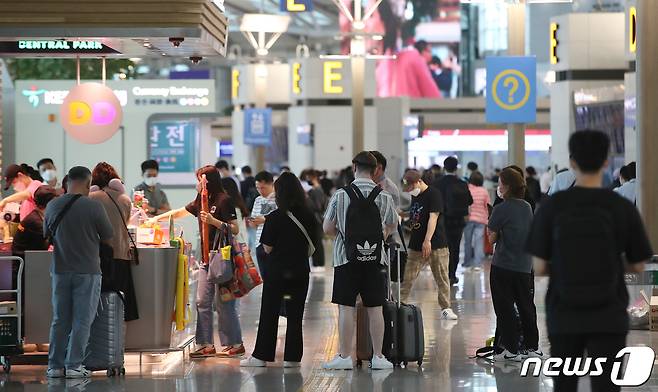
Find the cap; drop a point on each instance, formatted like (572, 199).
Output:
(44, 194)
(11, 173)
(410, 177)
(365, 158)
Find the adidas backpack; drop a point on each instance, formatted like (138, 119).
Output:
(363, 236)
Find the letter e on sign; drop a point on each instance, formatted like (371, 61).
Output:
(235, 84)
(554, 43)
(331, 76)
(91, 113)
(632, 29)
(296, 78)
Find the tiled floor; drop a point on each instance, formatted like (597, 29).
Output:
(447, 365)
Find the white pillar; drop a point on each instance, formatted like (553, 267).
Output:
(516, 47)
(647, 115)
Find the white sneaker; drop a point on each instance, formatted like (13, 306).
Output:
(56, 373)
(79, 372)
(252, 362)
(290, 364)
(380, 363)
(508, 356)
(534, 354)
(339, 363)
(448, 314)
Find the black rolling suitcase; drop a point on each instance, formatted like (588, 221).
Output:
(404, 323)
(107, 339)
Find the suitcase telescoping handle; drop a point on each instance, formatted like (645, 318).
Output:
(396, 247)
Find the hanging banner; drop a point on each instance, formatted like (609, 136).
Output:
(91, 113)
(511, 89)
(258, 127)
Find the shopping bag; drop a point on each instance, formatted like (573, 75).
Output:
(246, 273)
(221, 265)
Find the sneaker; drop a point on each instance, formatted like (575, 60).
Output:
(232, 352)
(252, 362)
(79, 372)
(204, 352)
(56, 373)
(534, 354)
(291, 364)
(448, 314)
(454, 281)
(477, 269)
(380, 363)
(339, 363)
(508, 356)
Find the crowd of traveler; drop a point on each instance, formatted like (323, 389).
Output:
(580, 234)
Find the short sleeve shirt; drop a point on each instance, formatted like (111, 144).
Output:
(512, 220)
(222, 208)
(422, 206)
(263, 206)
(632, 241)
(337, 212)
(289, 257)
(29, 205)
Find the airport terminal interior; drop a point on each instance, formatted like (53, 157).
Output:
(193, 188)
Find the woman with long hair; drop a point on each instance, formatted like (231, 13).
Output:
(221, 211)
(108, 189)
(287, 238)
(241, 211)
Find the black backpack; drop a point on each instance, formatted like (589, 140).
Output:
(585, 266)
(458, 199)
(363, 235)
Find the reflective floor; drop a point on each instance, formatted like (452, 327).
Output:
(447, 366)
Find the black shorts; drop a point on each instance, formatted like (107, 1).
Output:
(359, 278)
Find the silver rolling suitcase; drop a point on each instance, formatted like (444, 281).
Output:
(107, 338)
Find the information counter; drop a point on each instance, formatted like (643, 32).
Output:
(155, 288)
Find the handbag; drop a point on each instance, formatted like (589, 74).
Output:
(221, 266)
(311, 247)
(246, 273)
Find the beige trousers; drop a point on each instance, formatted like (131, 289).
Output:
(439, 260)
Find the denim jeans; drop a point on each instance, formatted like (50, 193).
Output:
(75, 301)
(230, 332)
(473, 244)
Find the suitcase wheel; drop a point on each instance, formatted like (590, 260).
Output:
(122, 371)
(359, 363)
(111, 372)
(404, 364)
(6, 364)
(420, 363)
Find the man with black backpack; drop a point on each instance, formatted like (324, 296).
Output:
(579, 238)
(457, 199)
(361, 215)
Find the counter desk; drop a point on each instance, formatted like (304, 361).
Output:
(155, 288)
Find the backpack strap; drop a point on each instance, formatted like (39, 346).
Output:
(375, 192)
(350, 190)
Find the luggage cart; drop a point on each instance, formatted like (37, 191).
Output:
(11, 330)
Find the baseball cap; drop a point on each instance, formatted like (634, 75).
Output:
(11, 173)
(410, 177)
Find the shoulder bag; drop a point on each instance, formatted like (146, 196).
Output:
(221, 266)
(311, 247)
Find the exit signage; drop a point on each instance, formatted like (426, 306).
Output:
(55, 47)
(296, 5)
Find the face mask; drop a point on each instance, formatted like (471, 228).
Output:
(499, 193)
(150, 181)
(49, 175)
(19, 187)
(415, 192)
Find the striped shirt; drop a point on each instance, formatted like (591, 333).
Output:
(479, 211)
(262, 207)
(337, 212)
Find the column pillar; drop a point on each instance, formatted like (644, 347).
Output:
(516, 47)
(647, 115)
(358, 104)
(260, 85)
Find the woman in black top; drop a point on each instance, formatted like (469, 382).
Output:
(221, 211)
(288, 269)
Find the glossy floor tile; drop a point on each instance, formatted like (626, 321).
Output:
(447, 365)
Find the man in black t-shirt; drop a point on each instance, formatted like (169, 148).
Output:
(578, 239)
(428, 243)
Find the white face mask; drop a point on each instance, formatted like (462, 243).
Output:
(415, 192)
(150, 181)
(499, 193)
(49, 175)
